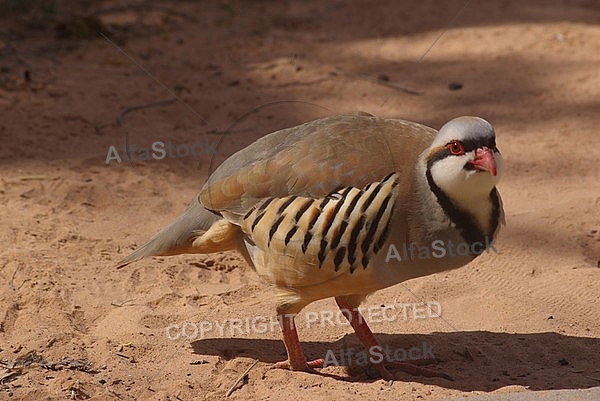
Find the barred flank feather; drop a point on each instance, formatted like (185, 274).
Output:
(342, 230)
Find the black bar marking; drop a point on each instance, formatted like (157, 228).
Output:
(333, 214)
(375, 224)
(352, 204)
(290, 234)
(365, 261)
(308, 236)
(387, 177)
(352, 243)
(384, 234)
(274, 228)
(335, 241)
(339, 258)
(248, 213)
(286, 204)
(260, 213)
(321, 255)
(303, 209)
(324, 202)
(371, 197)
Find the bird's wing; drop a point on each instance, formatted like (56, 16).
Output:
(314, 160)
(311, 160)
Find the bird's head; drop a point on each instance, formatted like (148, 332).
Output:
(463, 160)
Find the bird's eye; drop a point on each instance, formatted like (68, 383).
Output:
(456, 148)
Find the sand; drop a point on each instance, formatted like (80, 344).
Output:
(222, 74)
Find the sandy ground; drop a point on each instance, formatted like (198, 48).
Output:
(72, 326)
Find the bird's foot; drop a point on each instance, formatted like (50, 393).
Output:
(306, 366)
(410, 369)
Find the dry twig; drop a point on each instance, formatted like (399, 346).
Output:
(126, 110)
(232, 388)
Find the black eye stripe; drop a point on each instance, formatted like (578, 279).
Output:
(469, 146)
(439, 155)
(472, 144)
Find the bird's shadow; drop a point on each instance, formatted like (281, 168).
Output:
(477, 361)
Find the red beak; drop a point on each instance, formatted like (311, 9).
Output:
(484, 160)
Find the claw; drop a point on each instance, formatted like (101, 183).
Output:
(308, 366)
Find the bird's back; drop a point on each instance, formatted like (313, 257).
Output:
(316, 159)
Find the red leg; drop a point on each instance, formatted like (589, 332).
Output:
(365, 335)
(296, 359)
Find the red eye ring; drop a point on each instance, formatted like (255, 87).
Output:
(456, 148)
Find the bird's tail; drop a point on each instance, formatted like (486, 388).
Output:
(179, 236)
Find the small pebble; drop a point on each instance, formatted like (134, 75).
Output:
(454, 86)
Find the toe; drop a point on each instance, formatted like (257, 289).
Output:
(302, 367)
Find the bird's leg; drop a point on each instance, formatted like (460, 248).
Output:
(296, 359)
(365, 335)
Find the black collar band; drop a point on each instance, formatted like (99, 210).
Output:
(464, 221)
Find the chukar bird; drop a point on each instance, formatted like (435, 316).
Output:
(328, 209)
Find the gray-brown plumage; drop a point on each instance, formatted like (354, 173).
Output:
(318, 209)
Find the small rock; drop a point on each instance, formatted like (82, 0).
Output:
(454, 86)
